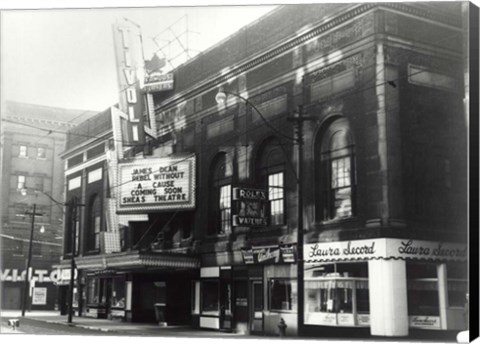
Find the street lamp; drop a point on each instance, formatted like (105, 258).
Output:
(298, 120)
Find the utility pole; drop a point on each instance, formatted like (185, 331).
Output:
(73, 226)
(300, 283)
(28, 275)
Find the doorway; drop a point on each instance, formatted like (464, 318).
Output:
(256, 307)
(240, 303)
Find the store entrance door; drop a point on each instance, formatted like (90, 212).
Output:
(256, 307)
(240, 304)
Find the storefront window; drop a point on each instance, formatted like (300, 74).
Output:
(118, 293)
(226, 294)
(93, 291)
(422, 287)
(337, 295)
(363, 299)
(75, 297)
(283, 295)
(457, 285)
(210, 299)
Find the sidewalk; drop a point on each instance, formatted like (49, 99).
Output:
(149, 329)
(116, 326)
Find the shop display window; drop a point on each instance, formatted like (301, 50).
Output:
(93, 291)
(118, 293)
(226, 294)
(422, 289)
(337, 295)
(210, 299)
(457, 285)
(283, 295)
(76, 297)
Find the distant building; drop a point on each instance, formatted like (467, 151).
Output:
(200, 225)
(32, 137)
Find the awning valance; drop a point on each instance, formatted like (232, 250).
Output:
(134, 260)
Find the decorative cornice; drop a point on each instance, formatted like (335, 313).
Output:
(290, 44)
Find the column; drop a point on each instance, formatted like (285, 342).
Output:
(442, 294)
(387, 282)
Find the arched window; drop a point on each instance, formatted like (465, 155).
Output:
(220, 196)
(270, 174)
(94, 228)
(336, 172)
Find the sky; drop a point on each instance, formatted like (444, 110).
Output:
(65, 57)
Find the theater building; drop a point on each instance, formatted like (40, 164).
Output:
(199, 225)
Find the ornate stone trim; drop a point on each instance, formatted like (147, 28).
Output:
(342, 18)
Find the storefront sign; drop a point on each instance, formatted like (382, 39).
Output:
(241, 302)
(345, 319)
(157, 184)
(249, 207)
(288, 254)
(156, 82)
(117, 313)
(129, 66)
(384, 248)
(39, 296)
(269, 255)
(424, 321)
(342, 250)
(427, 249)
(39, 275)
(363, 319)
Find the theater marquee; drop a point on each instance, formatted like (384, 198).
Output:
(156, 185)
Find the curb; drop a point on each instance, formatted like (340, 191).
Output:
(78, 325)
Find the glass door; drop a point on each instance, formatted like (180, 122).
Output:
(256, 311)
(225, 306)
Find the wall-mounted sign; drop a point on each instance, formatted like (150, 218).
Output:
(249, 207)
(39, 296)
(157, 82)
(156, 184)
(424, 321)
(384, 248)
(269, 254)
(127, 43)
(39, 275)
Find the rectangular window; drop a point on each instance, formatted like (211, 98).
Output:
(283, 295)
(41, 153)
(276, 198)
(210, 297)
(77, 238)
(341, 187)
(225, 200)
(21, 182)
(96, 233)
(23, 151)
(39, 183)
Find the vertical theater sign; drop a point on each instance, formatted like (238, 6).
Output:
(132, 103)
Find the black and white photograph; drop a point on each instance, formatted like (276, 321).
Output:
(246, 171)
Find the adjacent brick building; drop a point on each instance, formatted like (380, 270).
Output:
(32, 138)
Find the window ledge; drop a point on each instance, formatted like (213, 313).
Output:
(216, 236)
(282, 311)
(336, 221)
(210, 313)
